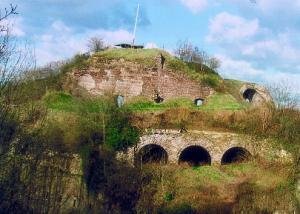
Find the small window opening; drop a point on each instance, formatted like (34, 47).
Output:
(120, 101)
(158, 98)
(199, 102)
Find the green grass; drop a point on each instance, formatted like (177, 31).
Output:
(210, 173)
(144, 56)
(216, 102)
(204, 76)
(143, 104)
(220, 101)
(61, 101)
(233, 87)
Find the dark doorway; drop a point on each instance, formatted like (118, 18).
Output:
(235, 155)
(249, 94)
(151, 154)
(195, 156)
(199, 102)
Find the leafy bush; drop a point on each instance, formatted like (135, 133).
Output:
(120, 134)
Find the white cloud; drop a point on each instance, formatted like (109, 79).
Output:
(238, 69)
(287, 79)
(60, 41)
(195, 5)
(15, 26)
(268, 6)
(280, 46)
(226, 27)
(151, 45)
(244, 70)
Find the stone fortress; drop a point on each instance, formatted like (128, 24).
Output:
(159, 83)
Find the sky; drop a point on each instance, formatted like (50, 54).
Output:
(257, 42)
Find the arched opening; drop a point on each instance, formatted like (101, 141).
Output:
(249, 94)
(158, 99)
(235, 155)
(199, 101)
(195, 156)
(151, 153)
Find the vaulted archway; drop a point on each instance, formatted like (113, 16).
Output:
(235, 155)
(249, 94)
(195, 156)
(151, 153)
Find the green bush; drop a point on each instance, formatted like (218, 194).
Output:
(120, 134)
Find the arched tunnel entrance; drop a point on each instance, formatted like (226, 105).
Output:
(235, 155)
(151, 153)
(195, 156)
(249, 94)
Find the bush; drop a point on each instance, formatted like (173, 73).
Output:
(120, 134)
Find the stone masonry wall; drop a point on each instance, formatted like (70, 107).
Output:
(215, 143)
(130, 79)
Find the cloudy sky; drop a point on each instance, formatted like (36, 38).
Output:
(257, 42)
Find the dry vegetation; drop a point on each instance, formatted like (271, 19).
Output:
(44, 125)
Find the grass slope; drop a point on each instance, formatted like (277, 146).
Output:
(200, 73)
(216, 102)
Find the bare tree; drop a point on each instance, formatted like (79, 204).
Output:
(96, 44)
(283, 96)
(214, 63)
(184, 50)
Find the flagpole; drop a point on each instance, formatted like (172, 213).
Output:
(135, 25)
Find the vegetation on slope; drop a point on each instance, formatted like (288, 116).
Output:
(215, 102)
(212, 189)
(147, 57)
(60, 124)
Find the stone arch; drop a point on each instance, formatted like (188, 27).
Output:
(235, 155)
(248, 94)
(195, 155)
(151, 153)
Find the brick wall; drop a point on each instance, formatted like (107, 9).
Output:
(131, 79)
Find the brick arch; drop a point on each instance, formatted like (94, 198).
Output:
(195, 155)
(151, 153)
(201, 142)
(235, 154)
(174, 142)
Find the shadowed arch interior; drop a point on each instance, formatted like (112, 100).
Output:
(152, 153)
(249, 94)
(235, 155)
(195, 156)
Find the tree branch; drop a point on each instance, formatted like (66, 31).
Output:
(7, 12)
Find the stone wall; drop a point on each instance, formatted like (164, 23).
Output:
(215, 143)
(130, 79)
(261, 96)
